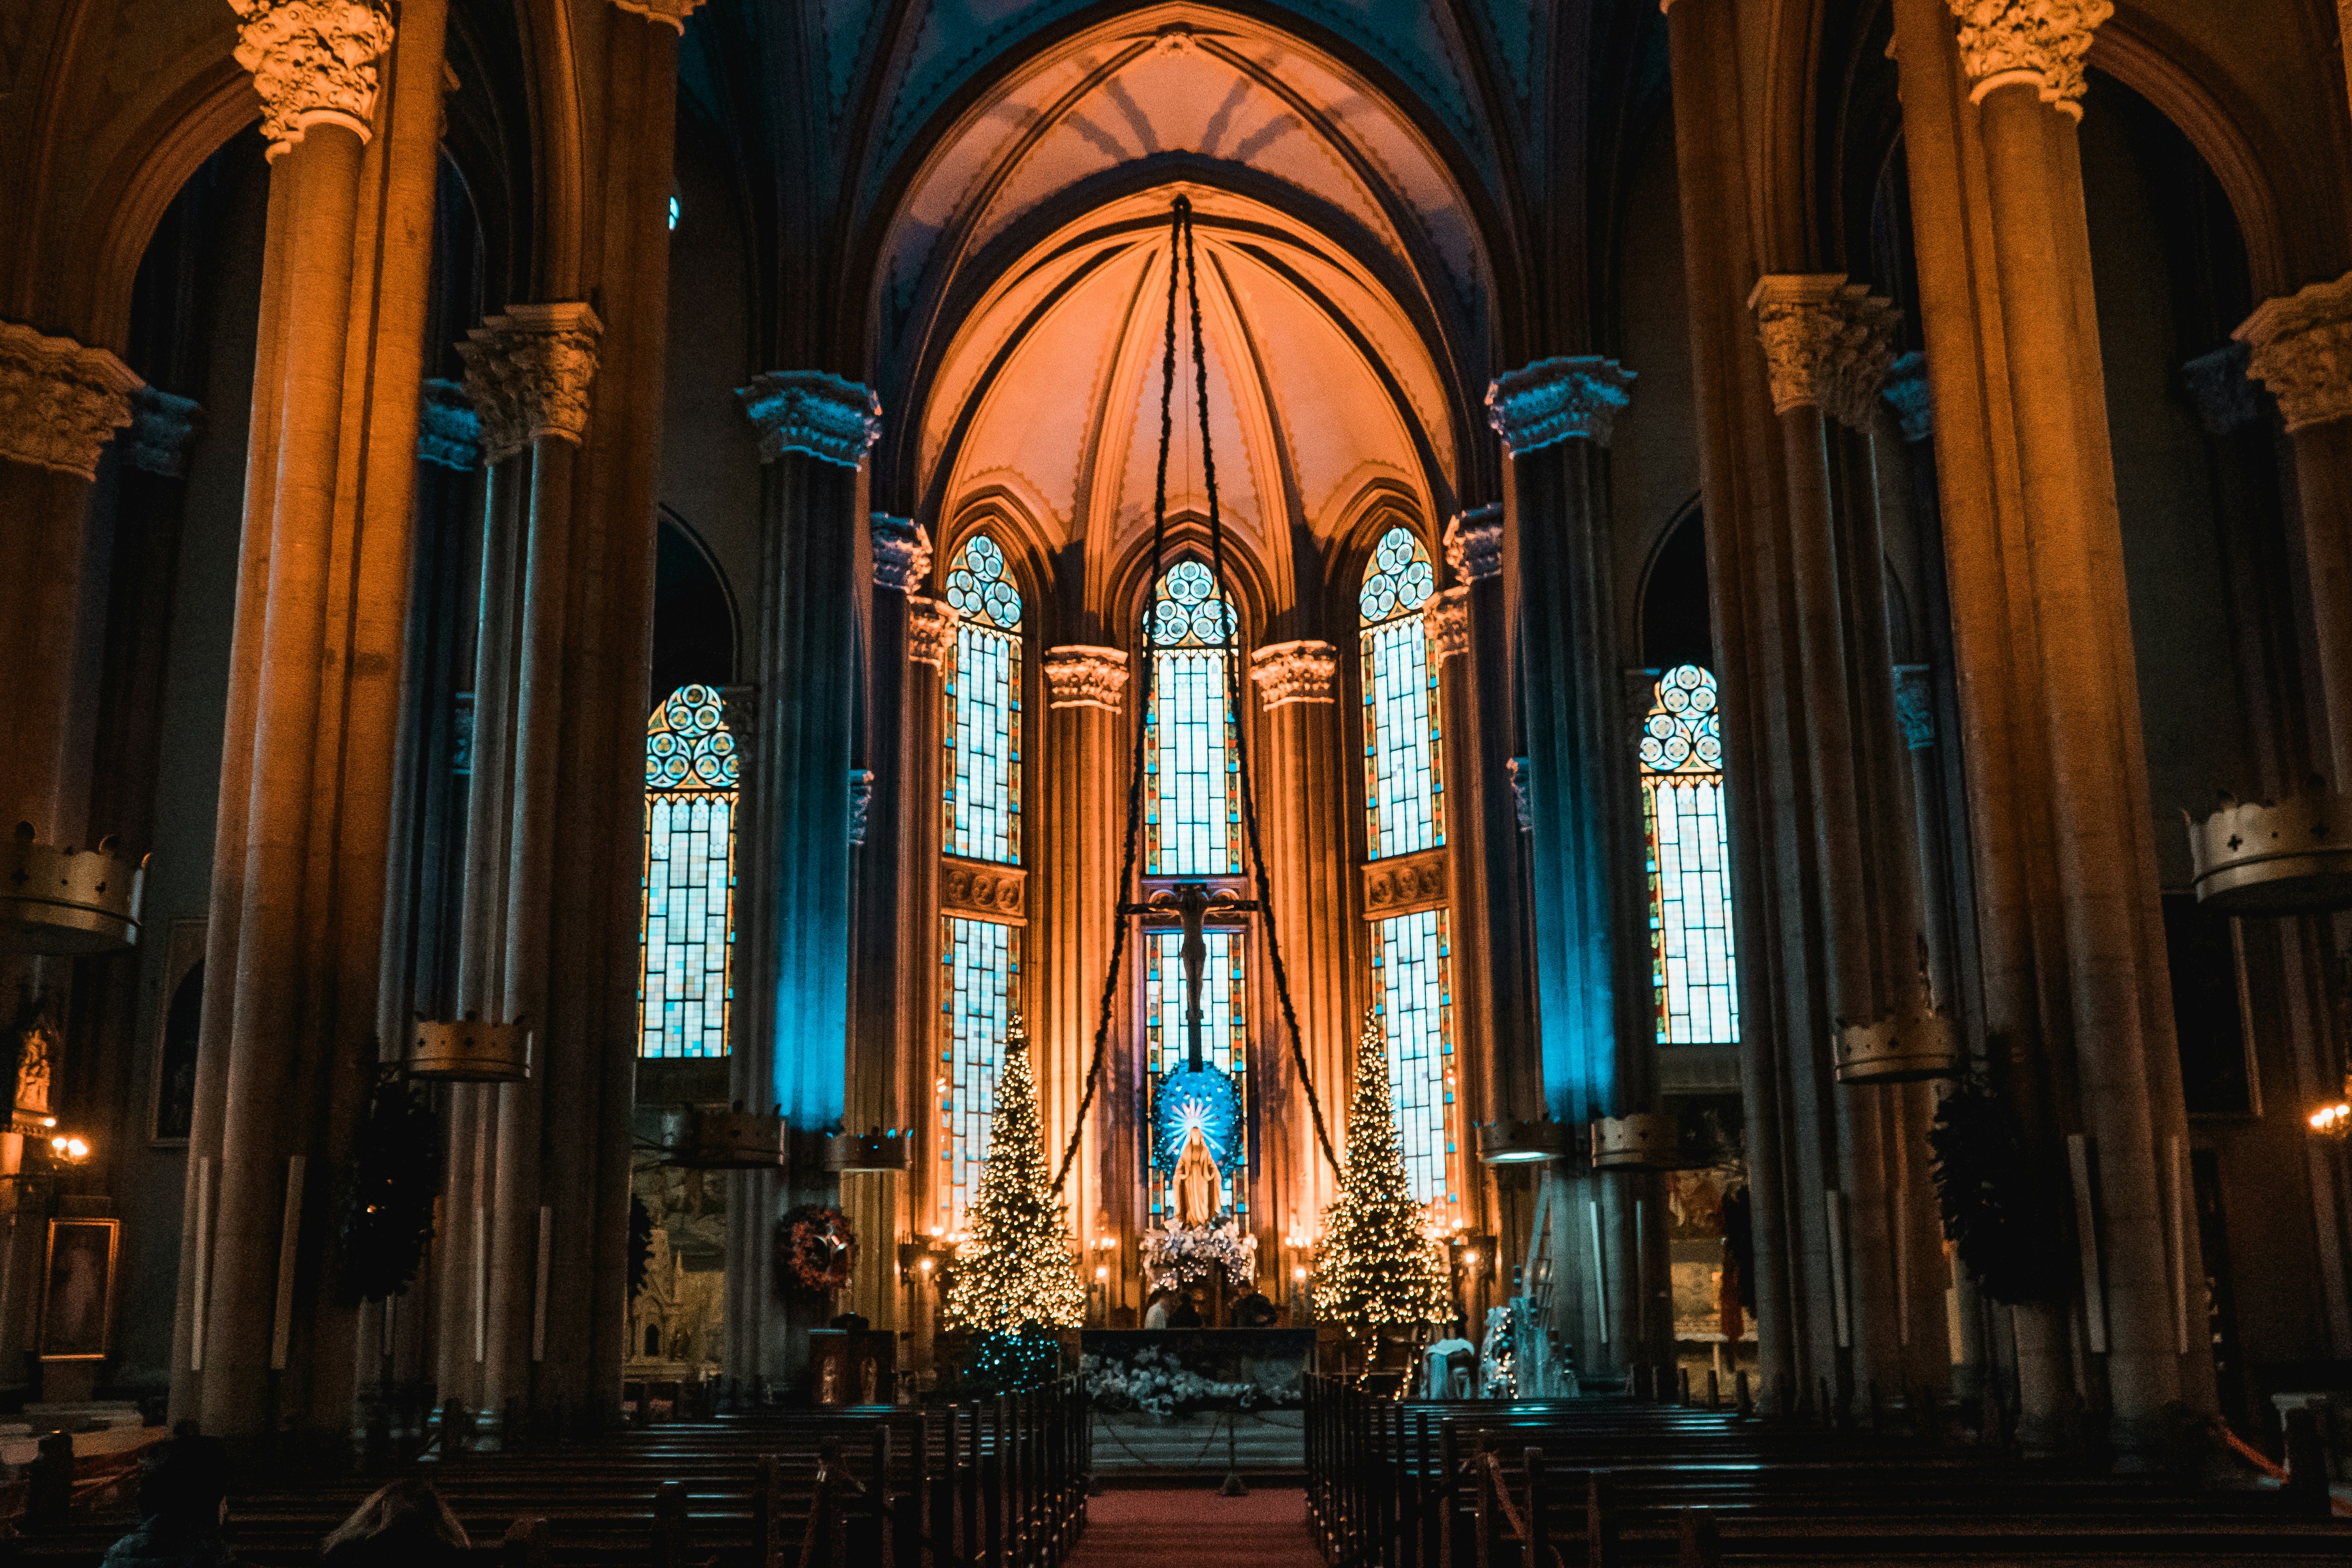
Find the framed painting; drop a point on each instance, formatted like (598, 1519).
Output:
(178, 1015)
(78, 1288)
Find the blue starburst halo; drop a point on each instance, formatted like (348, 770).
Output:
(1204, 1099)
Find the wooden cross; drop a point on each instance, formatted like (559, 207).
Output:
(1192, 903)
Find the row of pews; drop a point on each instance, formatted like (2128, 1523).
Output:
(992, 1483)
(1600, 1482)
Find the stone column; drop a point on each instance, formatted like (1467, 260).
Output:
(1598, 1056)
(813, 430)
(1084, 773)
(1306, 839)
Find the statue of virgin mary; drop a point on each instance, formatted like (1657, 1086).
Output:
(1197, 1183)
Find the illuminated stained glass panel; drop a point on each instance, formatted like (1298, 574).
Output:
(1225, 1008)
(1412, 978)
(687, 934)
(982, 963)
(1692, 979)
(983, 708)
(1405, 783)
(1191, 820)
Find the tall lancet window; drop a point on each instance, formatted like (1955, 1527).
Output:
(1691, 979)
(1405, 813)
(687, 934)
(980, 800)
(1191, 806)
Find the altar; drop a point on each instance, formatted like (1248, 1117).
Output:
(1173, 1371)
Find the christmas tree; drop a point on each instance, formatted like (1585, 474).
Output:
(1377, 1267)
(1015, 1274)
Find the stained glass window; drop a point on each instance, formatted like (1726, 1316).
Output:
(1192, 819)
(687, 929)
(1404, 785)
(983, 708)
(1412, 978)
(1692, 976)
(982, 960)
(1224, 1011)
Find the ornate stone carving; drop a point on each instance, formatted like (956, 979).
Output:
(980, 888)
(1445, 621)
(861, 800)
(669, 12)
(1405, 884)
(902, 551)
(162, 428)
(1519, 768)
(807, 411)
(2040, 43)
(1080, 674)
(2218, 388)
(59, 402)
(2301, 350)
(1286, 672)
(1555, 399)
(1474, 543)
(313, 63)
(1907, 393)
(1915, 706)
(930, 631)
(1828, 343)
(739, 710)
(448, 431)
(528, 373)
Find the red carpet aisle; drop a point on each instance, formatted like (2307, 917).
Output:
(1197, 1529)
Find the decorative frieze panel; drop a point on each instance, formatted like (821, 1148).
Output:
(810, 412)
(930, 631)
(2039, 43)
(528, 373)
(313, 63)
(1474, 543)
(1079, 675)
(1445, 621)
(1406, 884)
(1554, 400)
(902, 553)
(1288, 672)
(2301, 350)
(1828, 343)
(984, 892)
(59, 402)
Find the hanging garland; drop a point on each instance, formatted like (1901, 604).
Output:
(1997, 1200)
(388, 1221)
(816, 1252)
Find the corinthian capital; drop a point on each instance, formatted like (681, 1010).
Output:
(2037, 43)
(59, 402)
(930, 631)
(528, 372)
(313, 63)
(1474, 543)
(1828, 343)
(1554, 400)
(668, 12)
(1079, 675)
(2302, 345)
(1288, 672)
(1445, 621)
(902, 551)
(807, 411)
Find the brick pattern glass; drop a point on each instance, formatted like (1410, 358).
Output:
(1404, 779)
(982, 965)
(1693, 981)
(1225, 1035)
(687, 930)
(982, 802)
(1191, 820)
(1412, 977)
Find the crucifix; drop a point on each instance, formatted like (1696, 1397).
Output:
(1192, 903)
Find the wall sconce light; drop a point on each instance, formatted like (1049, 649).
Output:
(69, 1150)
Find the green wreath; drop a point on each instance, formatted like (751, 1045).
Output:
(388, 1219)
(1997, 1200)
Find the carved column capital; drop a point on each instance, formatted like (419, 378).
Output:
(2218, 387)
(902, 551)
(448, 431)
(1522, 772)
(1828, 343)
(1288, 672)
(1445, 621)
(807, 411)
(1554, 400)
(313, 63)
(739, 708)
(2301, 350)
(162, 428)
(2039, 44)
(1474, 543)
(528, 372)
(1915, 706)
(59, 402)
(1080, 674)
(861, 801)
(1906, 392)
(668, 12)
(930, 631)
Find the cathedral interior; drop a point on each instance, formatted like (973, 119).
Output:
(611, 605)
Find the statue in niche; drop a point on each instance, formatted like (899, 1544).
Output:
(33, 1073)
(1197, 1185)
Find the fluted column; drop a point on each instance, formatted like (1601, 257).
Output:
(1307, 861)
(1597, 1055)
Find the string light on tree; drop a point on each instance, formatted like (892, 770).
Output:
(1378, 1267)
(1015, 1274)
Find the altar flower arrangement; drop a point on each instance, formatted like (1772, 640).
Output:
(1182, 1253)
(1156, 1382)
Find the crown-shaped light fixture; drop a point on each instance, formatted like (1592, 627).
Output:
(711, 1138)
(1922, 1041)
(469, 1050)
(1637, 1141)
(1511, 1141)
(2274, 858)
(66, 902)
(874, 1150)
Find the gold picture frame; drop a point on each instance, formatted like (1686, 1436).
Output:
(78, 1280)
